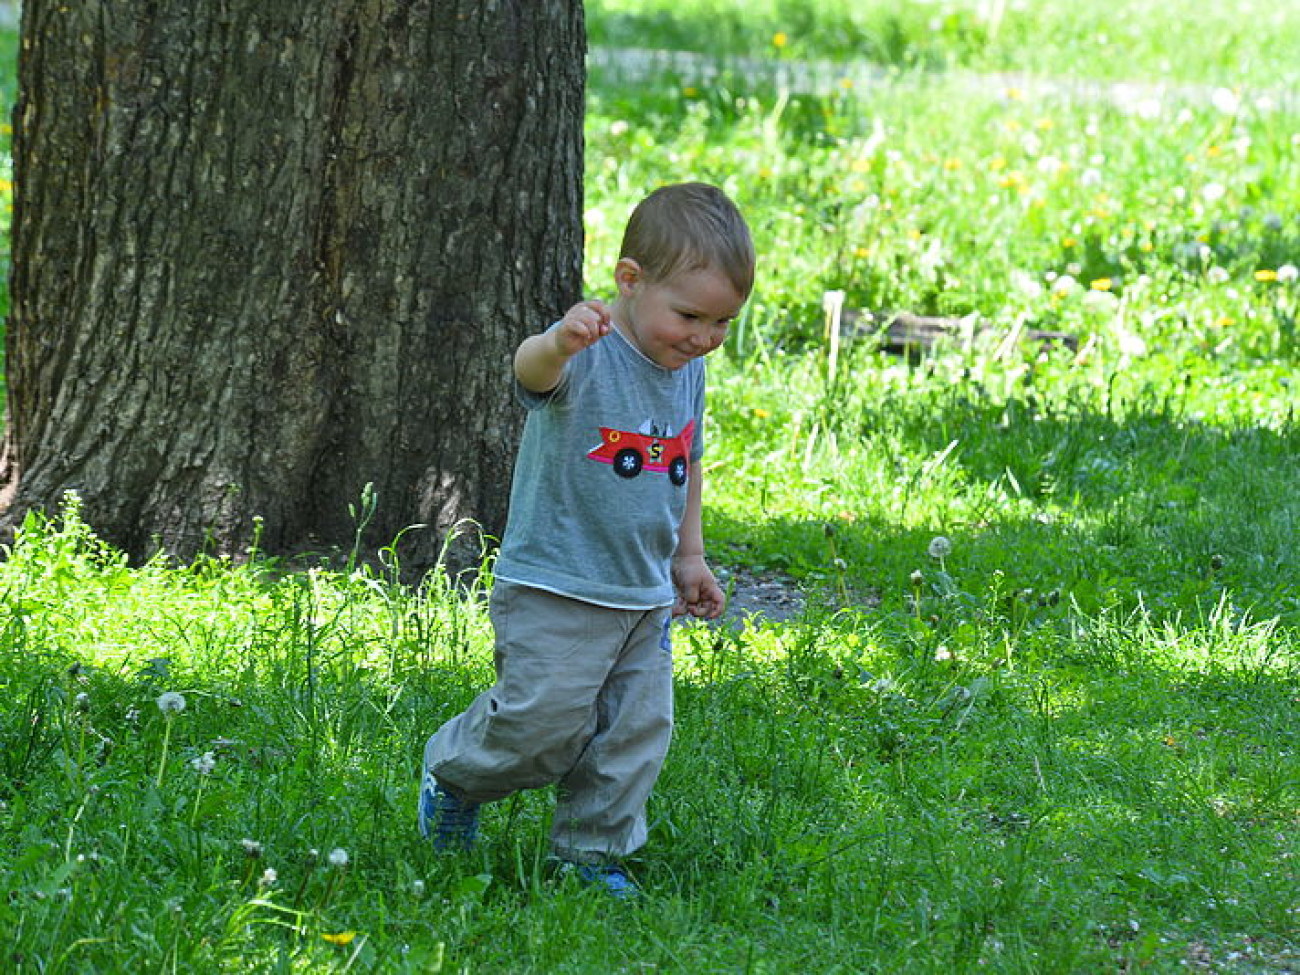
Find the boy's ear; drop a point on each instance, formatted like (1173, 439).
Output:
(627, 275)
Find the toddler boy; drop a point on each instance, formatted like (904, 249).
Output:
(603, 544)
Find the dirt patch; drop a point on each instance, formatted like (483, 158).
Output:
(771, 595)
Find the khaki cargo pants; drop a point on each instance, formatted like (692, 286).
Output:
(584, 699)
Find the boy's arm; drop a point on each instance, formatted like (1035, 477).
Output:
(698, 592)
(540, 359)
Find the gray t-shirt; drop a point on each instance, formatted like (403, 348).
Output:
(600, 481)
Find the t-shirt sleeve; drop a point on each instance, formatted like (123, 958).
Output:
(697, 406)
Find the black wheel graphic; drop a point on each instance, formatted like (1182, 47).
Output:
(677, 471)
(627, 463)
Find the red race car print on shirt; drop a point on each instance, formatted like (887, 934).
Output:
(631, 453)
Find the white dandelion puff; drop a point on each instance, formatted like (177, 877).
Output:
(338, 857)
(1226, 101)
(204, 764)
(939, 547)
(1064, 285)
(171, 702)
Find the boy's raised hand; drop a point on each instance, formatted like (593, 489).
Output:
(586, 323)
(540, 358)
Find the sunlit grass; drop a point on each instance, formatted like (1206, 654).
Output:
(1062, 741)
(1222, 42)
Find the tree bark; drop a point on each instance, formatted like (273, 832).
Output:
(267, 253)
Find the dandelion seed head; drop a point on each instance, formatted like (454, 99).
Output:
(171, 702)
(1288, 273)
(1064, 285)
(940, 547)
(252, 848)
(338, 857)
(917, 577)
(81, 702)
(204, 764)
(268, 878)
(1226, 101)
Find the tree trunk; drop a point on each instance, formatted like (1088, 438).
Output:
(267, 253)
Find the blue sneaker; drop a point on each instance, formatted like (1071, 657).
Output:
(610, 876)
(450, 822)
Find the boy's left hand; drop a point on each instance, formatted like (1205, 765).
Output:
(698, 592)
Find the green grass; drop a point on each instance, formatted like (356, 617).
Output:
(1069, 744)
(1225, 42)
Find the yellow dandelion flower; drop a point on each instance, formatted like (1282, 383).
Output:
(1068, 242)
(952, 165)
(1213, 151)
(1225, 320)
(861, 253)
(1044, 125)
(1014, 180)
(861, 165)
(690, 91)
(780, 39)
(1265, 274)
(915, 234)
(1013, 94)
(342, 938)
(1101, 284)
(761, 413)
(6, 185)
(1146, 247)
(997, 163)
(846, 83)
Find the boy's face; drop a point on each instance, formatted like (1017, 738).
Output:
(677, 319)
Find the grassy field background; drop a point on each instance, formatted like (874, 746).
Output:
(1062, 739)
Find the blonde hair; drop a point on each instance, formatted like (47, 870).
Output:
(688, 227)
